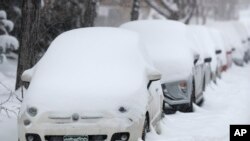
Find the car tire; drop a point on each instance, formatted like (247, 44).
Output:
(146, 128)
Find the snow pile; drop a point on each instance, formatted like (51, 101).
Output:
(94, 71)
(167, 45)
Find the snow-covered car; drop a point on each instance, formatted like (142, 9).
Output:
(167, 45)
(200, 66)
(92, 84)
(219, 50)
(242, 33)
(246, 24)
(208, 46)
(237, 50)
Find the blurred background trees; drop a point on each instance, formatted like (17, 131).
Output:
(56, 16)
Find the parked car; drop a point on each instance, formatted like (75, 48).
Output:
(92, 84)
(219, 51)
(199, 64)
(246, 24)
(167, 44)
(208, 46)
(242, 33)
(237, 51)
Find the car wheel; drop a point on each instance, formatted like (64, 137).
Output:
(146, 128)
(190, 107)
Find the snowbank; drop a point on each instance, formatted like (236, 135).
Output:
(167, 45)
(97, 69)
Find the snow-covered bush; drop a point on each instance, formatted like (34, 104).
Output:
(8, 43)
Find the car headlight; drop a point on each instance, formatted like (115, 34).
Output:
(183, 86)
(32, 111)
(123, 136)
(26, 122)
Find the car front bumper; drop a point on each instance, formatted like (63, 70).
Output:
(105, 126)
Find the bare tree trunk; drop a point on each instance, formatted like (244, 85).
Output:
(29, 34)
(90, 13)
(135, 10)
(193, 6)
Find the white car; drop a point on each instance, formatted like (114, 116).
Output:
(167, 45)
(92, 84)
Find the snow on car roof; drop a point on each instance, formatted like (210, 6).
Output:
(198, 44)
(99, 69)
(167, 45)
(220, 44)
(230, 33)
(207, 42)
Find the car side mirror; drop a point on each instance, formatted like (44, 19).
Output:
(153, 75)
(208, 60)
(26, 76)
(218, 52)
(196, 58)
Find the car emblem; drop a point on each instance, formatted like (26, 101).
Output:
(75, 117)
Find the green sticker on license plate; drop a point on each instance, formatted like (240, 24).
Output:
(75, 138)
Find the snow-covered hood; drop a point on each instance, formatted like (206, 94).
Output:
(167, 44)
(92, 69)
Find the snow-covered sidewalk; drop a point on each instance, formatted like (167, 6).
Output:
(226, 103)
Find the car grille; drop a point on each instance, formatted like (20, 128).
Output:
(91, 138)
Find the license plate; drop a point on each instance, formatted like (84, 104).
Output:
(75, 138)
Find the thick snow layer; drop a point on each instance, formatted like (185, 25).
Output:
(8, 41)
(3, 14)
(97, 69)
(167, 45)
(197, 45)
(231, 34)
(9, 25)
(207, 43)
(225, 103)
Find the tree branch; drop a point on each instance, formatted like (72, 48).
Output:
(156, 8)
